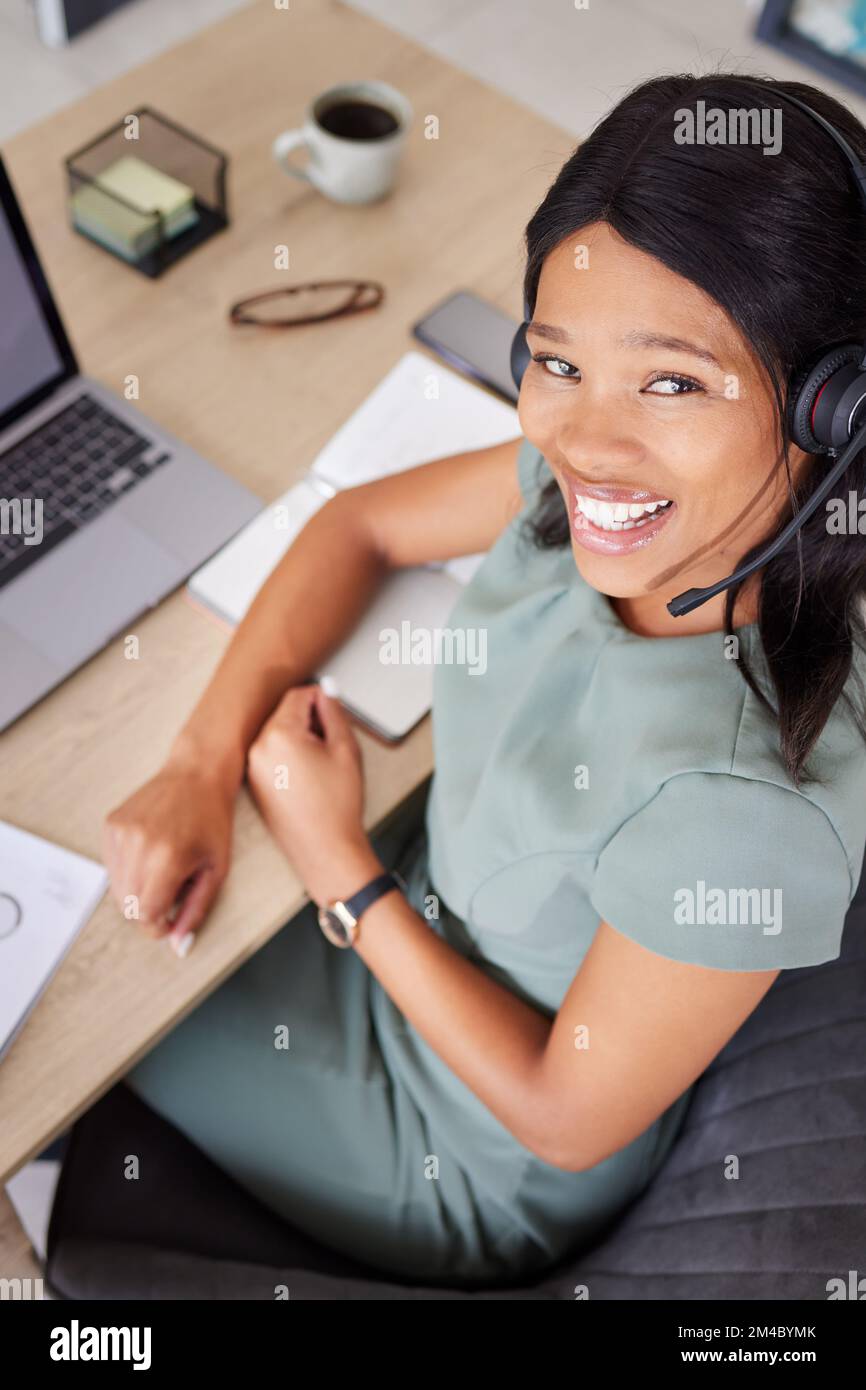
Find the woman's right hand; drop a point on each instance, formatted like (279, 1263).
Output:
(171, 839)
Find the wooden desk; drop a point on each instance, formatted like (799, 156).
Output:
(260, 406)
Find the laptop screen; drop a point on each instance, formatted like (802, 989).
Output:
(31, 351)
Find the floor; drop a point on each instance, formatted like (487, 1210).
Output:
(570, 64)
(567, 60)
(35, 80)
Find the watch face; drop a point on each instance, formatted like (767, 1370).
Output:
(333, 928)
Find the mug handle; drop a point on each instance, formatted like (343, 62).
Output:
(290, 140)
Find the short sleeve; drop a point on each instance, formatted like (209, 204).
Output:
(728, 872)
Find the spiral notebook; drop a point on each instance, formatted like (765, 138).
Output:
(420, 411)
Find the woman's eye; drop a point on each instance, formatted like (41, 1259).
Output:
(672, 384)
(548, 358)
(665, 384)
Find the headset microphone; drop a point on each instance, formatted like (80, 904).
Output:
(825, 407)
(693, 598)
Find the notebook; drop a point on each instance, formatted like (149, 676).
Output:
(420, 411)
(46, 895)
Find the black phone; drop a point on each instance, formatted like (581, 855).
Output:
(473, 336)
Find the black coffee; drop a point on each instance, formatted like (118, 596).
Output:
(358, 120)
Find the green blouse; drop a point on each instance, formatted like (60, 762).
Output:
(589, 773)
(581, 773)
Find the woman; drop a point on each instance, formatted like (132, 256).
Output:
(635, 821)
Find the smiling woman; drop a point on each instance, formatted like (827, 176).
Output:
(687, 288)
(675, 485)
(625, 841)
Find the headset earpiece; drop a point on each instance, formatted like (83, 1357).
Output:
(520, 353)
(824, 400)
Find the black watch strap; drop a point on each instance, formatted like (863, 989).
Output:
(366, 896)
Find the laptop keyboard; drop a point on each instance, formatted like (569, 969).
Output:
(77, 463)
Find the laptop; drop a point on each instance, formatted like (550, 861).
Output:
(102, 512)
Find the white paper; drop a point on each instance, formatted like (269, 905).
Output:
(229, 582)
(420, 411)
(46, 895)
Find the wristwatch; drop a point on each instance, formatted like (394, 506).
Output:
(339, 920)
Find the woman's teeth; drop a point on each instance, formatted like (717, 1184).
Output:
(618, 516)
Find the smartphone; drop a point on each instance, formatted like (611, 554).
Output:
(473, 336)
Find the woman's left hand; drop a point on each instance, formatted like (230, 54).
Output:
(309, 788)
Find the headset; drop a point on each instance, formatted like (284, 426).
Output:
(824, 407)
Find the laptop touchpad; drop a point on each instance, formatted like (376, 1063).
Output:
(78, 596)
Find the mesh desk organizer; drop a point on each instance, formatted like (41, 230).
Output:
(147, 191)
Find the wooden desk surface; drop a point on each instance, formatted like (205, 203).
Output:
(260, 406)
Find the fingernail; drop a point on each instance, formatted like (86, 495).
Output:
(329, 685)
(182, 945)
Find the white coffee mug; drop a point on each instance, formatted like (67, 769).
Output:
(348, 170)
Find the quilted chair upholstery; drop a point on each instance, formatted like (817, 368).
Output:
(786, 1098)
